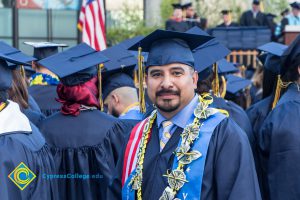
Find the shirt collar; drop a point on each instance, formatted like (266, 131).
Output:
(183, 117)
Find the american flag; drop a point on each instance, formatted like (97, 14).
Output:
(92, 23)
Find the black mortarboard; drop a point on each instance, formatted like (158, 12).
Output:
(176, 6)
(185, 6)
(291, 56)
(44, 49)
(295, 5)
(167, 47)
(256, 2)
(225, 12)
(285, 11)
(75, 65)
(14, 59)
(236, 84)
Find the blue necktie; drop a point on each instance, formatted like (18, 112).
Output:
(166, 134)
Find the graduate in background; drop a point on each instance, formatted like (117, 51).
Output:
(190, 16)
(257, 113)
(164, 158)
(176, 23)
(254, 17)
(293, 18)
(83, 139)
(227, 19)
(43, 83)
(279, 136)
(21, 145)
(18, 91)
(119, 92)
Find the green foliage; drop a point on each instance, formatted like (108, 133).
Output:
(129, 23)
(166, 9)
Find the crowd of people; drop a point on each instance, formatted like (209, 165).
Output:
(184, 17)
(162, 116)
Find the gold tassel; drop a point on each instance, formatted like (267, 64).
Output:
(100, 66)
(224, 83)
(141, 81)
(279, 85)
(135, 78)
(23, 72)
(215, 83)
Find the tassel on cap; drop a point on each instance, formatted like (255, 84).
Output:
(141, 81)
(224, 83)
(215, 83)
(100, 66)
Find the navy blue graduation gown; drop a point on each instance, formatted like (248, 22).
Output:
(34, 116)
(257, 114)
(237, 114)
(86, 144)
(33, 104)
(279, 145)
(229, 171)
(28, 147)
(45, 96)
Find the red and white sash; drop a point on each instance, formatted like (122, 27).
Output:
(131, 152)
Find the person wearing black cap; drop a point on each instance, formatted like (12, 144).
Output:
(119, 91)
(176, 23)
(278, 139)
(257, 113)
(293, 18)
(43, 83)
(253, 17)
(80, 135)
(169, 154)
(227, 19)
(190, 16)
(24, 156)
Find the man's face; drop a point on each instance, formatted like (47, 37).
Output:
(295, 11)
(226, 18)
(190, 12)
(177, 13)
(255, 7)
(171, 87)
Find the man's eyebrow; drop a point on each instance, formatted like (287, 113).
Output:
(154, 70)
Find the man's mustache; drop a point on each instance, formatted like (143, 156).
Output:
(167, 92)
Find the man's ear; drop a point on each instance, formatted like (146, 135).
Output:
(115, 98)
(195, 79)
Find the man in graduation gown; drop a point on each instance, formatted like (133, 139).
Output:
(253, 17)
(24, 156)
(119, 91)
(227, 20)
(80, 135)
(176, 23)
(152, 166)
(278, 138)
(189, 15)
(257, 113)
(43, 83)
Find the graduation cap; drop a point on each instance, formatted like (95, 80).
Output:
(295, 5)
(176, 6)
(118, 71)
(225, 67)
(225, 12)
(236, 84)
(256, 2)
(77, 65)
(70, 65)
(187, 5)
(285, 12)
(6, 69)
(273, 48)
(44, 49)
